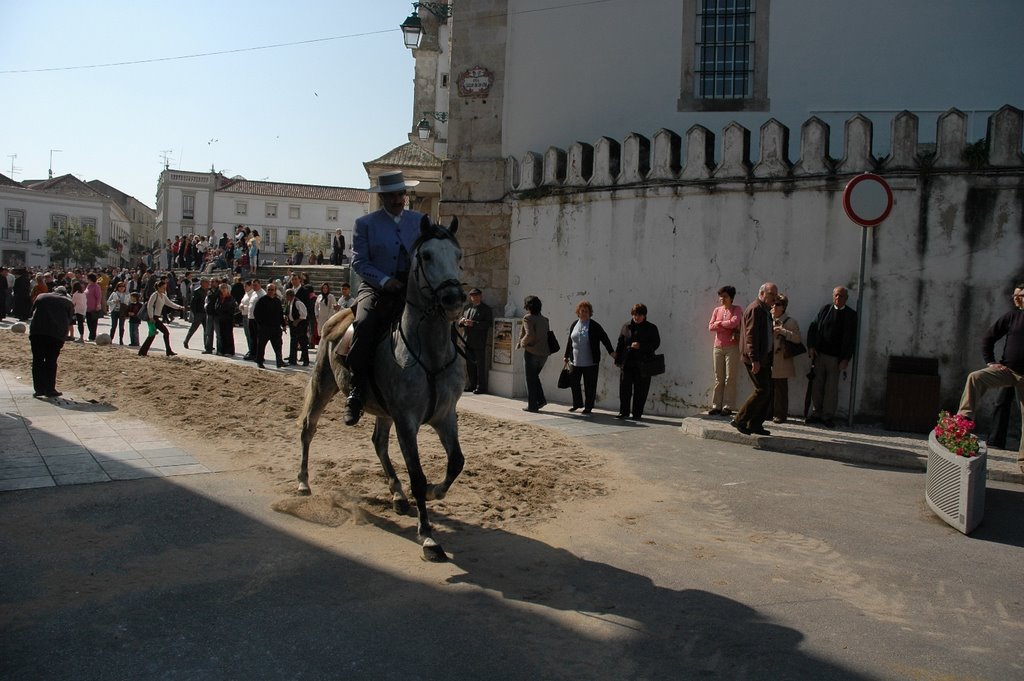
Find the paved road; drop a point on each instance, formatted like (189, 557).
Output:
(726, 563)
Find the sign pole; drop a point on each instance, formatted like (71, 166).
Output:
(860, 323)
(867, 201)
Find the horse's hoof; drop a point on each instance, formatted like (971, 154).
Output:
(304, 490)
(433, 553)
(400, 506)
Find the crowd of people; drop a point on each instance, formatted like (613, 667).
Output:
(129, 298)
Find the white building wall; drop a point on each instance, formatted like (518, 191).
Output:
(586, 70)
(39, 207)
(938, 271)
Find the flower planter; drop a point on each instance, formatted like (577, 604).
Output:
(955, 485)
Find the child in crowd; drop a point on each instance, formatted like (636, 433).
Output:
(80, 302)
(134, 307)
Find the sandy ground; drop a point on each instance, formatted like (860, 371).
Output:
(239, 417)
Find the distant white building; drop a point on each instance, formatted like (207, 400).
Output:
(30, 209)
(204, 203)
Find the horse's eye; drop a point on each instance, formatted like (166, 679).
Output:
(427, 257)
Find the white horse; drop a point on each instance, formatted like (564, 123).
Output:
(418, 376)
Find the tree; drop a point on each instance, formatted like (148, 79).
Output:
(306, 242)
(73, 243)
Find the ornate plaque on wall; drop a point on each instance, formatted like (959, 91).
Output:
(475, 82)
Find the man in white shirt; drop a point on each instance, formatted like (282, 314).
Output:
(295, 312)
(247, 307)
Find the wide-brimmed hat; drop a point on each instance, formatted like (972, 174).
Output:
(393, 181)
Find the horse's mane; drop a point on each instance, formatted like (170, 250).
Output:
(434, 232)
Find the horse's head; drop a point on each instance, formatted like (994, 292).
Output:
(437, 259)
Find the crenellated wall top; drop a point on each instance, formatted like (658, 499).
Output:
(609, 164)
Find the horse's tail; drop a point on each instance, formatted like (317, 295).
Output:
(323, 380)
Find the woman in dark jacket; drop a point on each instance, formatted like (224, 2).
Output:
(583, 351)
(22, 296)
(225, 313)
(534, 340)
(638, 340)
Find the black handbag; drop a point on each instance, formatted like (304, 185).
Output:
(791, 349)
(652, 366)
(553, 345)
(565, 376)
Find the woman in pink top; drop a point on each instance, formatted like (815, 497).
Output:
(725, 324)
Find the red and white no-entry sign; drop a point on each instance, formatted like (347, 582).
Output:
(867, 199)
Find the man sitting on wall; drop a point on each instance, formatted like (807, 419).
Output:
(1008, 372)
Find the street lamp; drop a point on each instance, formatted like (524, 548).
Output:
(412, 27)
(423, 127)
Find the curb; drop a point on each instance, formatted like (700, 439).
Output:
(896, 455)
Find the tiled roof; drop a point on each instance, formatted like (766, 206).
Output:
(294, 191)
(8, 182)
(67, 185)
(408, 155)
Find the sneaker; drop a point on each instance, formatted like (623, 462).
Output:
(621, 416)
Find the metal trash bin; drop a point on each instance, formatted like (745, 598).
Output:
(912, 394)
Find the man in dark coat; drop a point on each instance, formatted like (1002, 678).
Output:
(197, 308)
(3, 293)
(756, 346)
(831, 342)
(338, 248)
(270, 322)
(52, 314)
(476, 323)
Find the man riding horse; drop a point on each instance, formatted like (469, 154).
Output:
(381, 246)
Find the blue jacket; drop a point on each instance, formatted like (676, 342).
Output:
(377, 244)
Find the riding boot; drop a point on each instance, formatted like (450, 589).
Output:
(354, 403)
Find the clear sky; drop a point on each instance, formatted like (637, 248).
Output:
(307, 113)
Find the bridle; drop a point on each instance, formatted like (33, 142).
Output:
(419, 274)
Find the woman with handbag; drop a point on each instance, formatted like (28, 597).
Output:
(786, 334)
(725, 324)
(583, 356)
(534, 340)
(638, 340)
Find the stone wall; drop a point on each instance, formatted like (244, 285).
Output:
(667, 221)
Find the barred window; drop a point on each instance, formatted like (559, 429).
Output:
(725, 49)
(725, 55)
